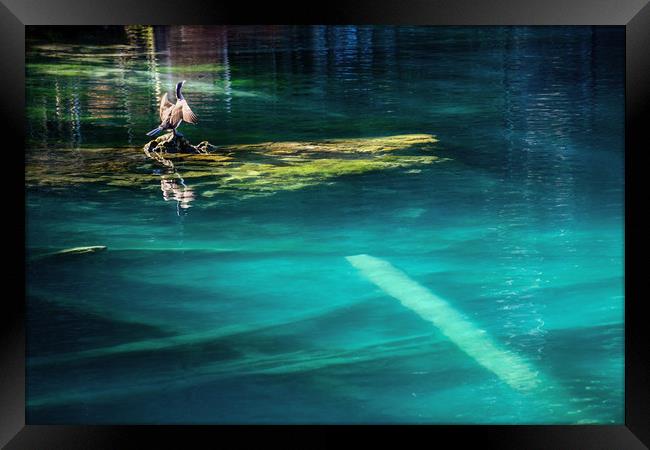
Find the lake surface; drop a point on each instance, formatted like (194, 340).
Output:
(237, 303)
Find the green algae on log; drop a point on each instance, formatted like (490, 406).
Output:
(233, 170)
(260, 178)
(338, 146)
(170, 143)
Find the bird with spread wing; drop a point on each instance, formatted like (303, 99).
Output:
(172, 114)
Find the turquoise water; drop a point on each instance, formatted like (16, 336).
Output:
(245, 308)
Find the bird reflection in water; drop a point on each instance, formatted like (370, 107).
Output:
(173, 187)
(172, 183)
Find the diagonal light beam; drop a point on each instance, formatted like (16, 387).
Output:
(509, 367)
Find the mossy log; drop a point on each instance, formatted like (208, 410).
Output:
(172, 143)
(241, 170)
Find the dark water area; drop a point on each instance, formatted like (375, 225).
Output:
(235, 303)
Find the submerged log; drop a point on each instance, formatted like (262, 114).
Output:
(81, 250)
(73, 251)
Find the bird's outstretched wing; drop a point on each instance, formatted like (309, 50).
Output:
(165, 104)
(176, 114)
(188, 115)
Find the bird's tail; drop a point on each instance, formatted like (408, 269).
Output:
(154, 131)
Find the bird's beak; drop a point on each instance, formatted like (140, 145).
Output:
(183, 81)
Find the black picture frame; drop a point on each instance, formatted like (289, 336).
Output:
(633, 14)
